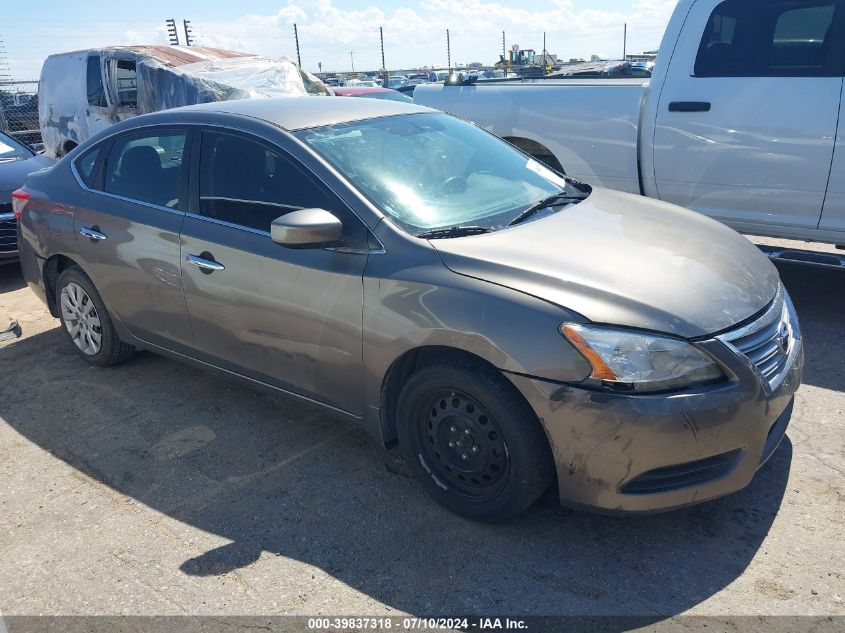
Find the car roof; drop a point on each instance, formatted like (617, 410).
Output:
(297, 113)
(167, 55)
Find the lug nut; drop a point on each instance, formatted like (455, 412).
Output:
(453, 429)
(466, 431)
(451, 444)
(464, 456)
(474, 449)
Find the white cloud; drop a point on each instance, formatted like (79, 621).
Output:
(417, 36)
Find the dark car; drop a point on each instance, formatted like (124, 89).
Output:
(16, 162)
(412, 273)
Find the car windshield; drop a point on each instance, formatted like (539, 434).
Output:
(10, 149)
(429, 171)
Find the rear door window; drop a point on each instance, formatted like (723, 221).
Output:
(147, 167)
(86, 166)
(127, 84)
(94, 82)
(771, 38)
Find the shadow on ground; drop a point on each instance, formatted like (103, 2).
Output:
(10, 277)
(819, 297)
(273, 476)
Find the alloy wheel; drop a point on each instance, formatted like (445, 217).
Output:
(81, 319)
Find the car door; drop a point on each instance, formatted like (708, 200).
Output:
(97, 115)
(833, 214)
(747, 116)
(288, 317)
(127, 230)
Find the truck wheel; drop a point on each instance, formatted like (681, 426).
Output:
(472, 441)
(86, 322)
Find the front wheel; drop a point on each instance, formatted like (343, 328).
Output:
(472, 441)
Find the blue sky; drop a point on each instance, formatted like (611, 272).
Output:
(330, 29)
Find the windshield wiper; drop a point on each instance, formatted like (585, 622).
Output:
(545, 203)
(453, 231)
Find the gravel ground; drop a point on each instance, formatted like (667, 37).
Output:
(155, 488)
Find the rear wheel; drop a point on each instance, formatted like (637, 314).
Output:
(86, 322)
(472, 441)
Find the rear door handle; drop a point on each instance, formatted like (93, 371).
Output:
(204, 264)
(91, 233)
(689, 106)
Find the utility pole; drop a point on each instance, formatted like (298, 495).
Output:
(504, 52)
(352, 60)
(544, 52)
(188, 33)
(5, 74)
(625, 42)
(172, 33)
(296, 38)
(383, 67)
(448, 52)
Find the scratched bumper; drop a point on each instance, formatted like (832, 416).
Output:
(647, 453)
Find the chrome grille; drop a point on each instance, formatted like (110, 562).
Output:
(769, 341)
(8, 229)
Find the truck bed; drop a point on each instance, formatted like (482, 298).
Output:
(573, 119)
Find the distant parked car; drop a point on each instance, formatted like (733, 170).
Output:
(16, 162)
(86, 91)
(608, 69)
(372, 93)
(438, 76)
(19, 116)
(414, 274)
(394, 81)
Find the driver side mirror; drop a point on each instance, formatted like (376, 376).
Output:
(307, 228)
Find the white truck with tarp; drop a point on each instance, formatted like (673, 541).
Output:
(83, 92)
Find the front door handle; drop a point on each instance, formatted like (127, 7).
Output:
(92, 233)
(689, 106)
(204, 264)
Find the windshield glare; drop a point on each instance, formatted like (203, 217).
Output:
(10, 148)
(429, 171)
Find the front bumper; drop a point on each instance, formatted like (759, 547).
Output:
(8, 237)
(646, 453)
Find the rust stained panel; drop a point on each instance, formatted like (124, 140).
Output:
(172, 56)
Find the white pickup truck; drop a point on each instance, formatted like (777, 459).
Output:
(739, 121)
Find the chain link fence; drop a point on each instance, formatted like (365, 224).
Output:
(19, 110)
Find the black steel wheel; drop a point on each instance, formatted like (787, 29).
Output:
(465, 444)
(472, 440)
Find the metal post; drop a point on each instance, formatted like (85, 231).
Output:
(625, 42)
(504, 52)
(186, 24)
(544, 52)
(383, 67)
(352, 60)
(448, 52)
(296, 37)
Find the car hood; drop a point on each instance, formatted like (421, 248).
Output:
(628, 260)
(13, 173)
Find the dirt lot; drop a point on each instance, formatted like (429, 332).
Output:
(155, 488)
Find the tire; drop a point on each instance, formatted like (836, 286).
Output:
(85, 321)
(472, 441)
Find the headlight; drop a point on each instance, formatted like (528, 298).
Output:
(640, 362)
